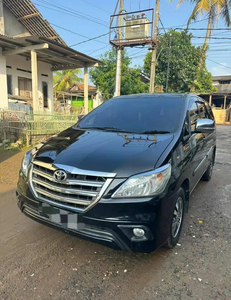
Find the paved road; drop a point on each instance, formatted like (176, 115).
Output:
(37, 262)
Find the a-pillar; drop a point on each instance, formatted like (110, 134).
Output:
(85, 89)
(210, 100)
(225, 97)
(34, 73)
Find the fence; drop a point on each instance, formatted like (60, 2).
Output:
(32, 127)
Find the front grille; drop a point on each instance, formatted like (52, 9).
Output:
(80, 190)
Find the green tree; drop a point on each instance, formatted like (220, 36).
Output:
(212, 9)
(183, 59)
(104, 76)
(63, 80)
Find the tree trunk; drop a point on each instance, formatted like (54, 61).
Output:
(204, 48)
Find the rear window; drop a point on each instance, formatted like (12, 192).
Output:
(137, 115)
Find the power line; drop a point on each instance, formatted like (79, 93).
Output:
(220, 50)
(137, 56)
(162, 25)
(94, 38)
(192, 23)
(69, 12)
(75, 33)
(88, 39)
(221, 33)
(137, 52)
(218, 63)
(214, 38)
(97, 6)
(99, 49)
(204, 28)
(212, 43)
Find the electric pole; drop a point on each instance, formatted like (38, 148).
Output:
(119, 52)
(153, 62)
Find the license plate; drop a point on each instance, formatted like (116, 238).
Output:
(59, 216)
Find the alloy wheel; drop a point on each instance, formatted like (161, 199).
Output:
(177, 217)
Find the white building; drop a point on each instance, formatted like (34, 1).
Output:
(30, 50)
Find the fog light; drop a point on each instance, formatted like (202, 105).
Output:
(139, 232)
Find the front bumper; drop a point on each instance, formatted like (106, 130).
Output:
(109, 223)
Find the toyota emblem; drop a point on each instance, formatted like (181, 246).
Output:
(60, 175)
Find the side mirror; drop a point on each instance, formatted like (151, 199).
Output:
(205, 126)
(80, 117)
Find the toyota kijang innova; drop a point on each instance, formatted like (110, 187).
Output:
(122, 176)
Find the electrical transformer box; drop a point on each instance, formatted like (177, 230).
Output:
(136, 29)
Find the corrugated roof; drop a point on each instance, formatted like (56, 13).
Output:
(59, 56)
(222, 77)
(30, 17)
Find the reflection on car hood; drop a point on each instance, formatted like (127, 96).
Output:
(123, 154)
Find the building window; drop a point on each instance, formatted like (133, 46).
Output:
(45, 94)
(25, 87)
(225, 81)
(9, 84)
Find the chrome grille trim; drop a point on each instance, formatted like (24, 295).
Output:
(64, 191)
(78, 194)
(69, 182)
(55, 197)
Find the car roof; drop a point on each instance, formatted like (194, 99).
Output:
(155, 95)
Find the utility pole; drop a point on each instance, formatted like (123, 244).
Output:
(119, 52)
(169, 55)
(153, 62)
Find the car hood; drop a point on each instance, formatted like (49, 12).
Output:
(96, 150)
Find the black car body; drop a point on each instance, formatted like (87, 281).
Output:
(122, 176)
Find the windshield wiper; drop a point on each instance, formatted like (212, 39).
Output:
(155, 132)
(107, 128)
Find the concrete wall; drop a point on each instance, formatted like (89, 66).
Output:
(2, 28)
(215, 82)
(98, 100)
(13, 27)
(3, 82)
(19, 62)
(219, 115)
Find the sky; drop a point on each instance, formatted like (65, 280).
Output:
(76, 21)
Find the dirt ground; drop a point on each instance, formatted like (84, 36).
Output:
(37, 262)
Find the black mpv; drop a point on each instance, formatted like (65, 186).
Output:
(122, 176)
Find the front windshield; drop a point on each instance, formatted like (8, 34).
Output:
(136, 115)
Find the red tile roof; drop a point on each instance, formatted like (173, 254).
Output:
(80, 87)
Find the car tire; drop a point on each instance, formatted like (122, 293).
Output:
(209, 172)
(176, 220)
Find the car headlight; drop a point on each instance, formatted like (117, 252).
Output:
(146, 184)
(25, 163)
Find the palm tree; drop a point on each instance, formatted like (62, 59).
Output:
(63, 80)
(212, 9)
